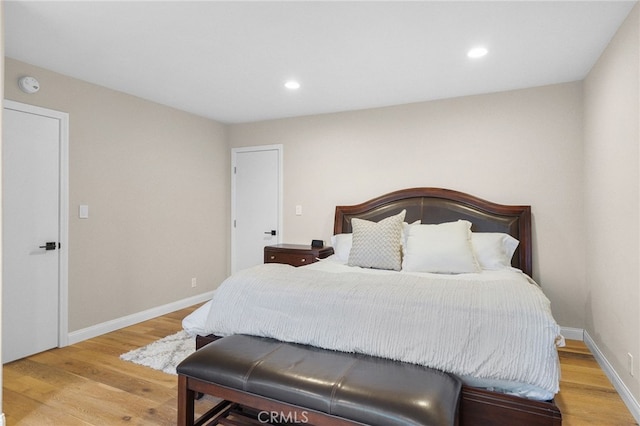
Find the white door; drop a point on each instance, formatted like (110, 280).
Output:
(31, 164)
(256, 203)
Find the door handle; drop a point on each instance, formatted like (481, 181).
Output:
(51, 245)
(272, 232)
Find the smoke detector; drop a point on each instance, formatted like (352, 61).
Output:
(29, 84)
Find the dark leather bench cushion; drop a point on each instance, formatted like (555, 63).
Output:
(366, 389)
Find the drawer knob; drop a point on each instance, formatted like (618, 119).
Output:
(272, 257)
(303, 260)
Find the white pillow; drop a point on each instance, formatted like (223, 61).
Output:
(443, 248)
(377, 245)
(341, 244)
(494, 250)
(405, 233)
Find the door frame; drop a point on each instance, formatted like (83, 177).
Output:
(63, 210)
(234, 152)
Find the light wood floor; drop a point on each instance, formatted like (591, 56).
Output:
(87, 384)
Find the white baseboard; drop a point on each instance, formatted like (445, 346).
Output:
(572, 333)
(624, 392)
(2, 420)
(118, 323)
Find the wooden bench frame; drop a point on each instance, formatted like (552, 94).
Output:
(239, 403)
(232, 400)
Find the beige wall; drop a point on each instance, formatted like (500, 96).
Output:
(157, 183)
(519, 147)
(612, 194)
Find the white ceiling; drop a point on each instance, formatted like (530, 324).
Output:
(229, 60)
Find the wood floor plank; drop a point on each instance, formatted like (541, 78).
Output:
(586, 376)
(25, 411)
(112, 372)
(87, 384)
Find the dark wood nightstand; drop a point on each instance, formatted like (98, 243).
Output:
(295, 254)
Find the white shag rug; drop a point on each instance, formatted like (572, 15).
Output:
(164, 354)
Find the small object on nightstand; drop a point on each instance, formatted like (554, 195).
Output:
(295, 254)
(317, 243)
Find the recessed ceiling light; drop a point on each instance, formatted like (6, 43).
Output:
(477, 52)
(292, 85)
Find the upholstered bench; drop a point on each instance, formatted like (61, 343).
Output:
(307, 385)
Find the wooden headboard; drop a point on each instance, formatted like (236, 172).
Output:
(437, 205)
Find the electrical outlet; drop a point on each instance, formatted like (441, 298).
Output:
(194, 282)
(630, 363)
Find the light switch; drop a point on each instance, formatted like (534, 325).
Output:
(83, 211)
(298, 210)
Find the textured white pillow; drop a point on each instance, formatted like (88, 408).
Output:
(443, 248)
(377, 245)
(494, 250)
(342, 243)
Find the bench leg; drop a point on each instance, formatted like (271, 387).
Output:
(186, 398)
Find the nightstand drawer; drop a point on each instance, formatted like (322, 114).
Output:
(295, 254)
(293, 259)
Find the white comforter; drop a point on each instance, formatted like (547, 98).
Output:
(493, 326)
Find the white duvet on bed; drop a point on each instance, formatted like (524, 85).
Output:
(493, 329)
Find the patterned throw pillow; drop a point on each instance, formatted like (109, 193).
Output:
(377, 245)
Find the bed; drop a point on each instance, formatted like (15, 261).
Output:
(505, 354)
